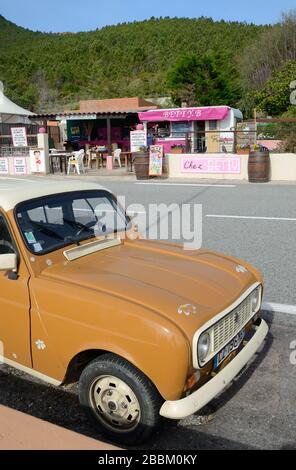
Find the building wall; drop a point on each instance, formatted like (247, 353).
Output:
(283, 167)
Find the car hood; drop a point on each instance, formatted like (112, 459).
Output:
(161, 277)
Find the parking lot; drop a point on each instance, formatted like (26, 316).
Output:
(256, 223)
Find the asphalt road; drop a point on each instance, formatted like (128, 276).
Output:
(257, 411)
(268, 242)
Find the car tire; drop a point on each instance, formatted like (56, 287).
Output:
(120, 399)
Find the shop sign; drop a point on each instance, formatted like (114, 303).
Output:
(186, 114)
(155, 160)
(138, 139)
(19, 137)
(20, 165)
(4, 168)
(77, 117)
(219, 165)
(37, 161)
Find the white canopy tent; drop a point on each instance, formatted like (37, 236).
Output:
(11, 113)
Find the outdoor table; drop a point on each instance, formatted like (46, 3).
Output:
(63, 160)
(128, 156)
(99, 156)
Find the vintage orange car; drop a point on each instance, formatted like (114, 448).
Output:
(147, 328)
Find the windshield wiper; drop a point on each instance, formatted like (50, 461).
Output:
(47, 230)
(80, 226)
(75, 223)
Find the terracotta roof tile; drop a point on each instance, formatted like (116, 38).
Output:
(116, 104)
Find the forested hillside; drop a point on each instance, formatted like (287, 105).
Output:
(52, 71)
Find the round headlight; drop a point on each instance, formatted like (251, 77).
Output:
(255, 300)
(203, 346)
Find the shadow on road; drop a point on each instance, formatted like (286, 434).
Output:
(60, 406)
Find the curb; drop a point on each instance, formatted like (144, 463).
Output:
(19, 431)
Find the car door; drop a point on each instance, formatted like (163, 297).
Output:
(14, 304)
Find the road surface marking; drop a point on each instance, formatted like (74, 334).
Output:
(221, 216)
(190, 184)
(279, 308)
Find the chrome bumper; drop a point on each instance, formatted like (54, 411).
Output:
(186, 406)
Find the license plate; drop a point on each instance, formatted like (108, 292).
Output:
(231, 346)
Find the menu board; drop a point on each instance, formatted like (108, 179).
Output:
(20, 166)
(4, 168)
(19, 137)
(138, 139)
(155, 160)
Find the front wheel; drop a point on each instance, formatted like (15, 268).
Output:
(123, 402)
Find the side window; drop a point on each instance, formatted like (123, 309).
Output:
(6, 242)
(213, 125)
(47, 214)
(83, 211)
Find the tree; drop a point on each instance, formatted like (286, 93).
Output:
(272, 49)
(206, 81)
(115, 61)
(274, 97)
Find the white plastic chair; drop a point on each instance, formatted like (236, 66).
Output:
(116, 156)
(76, 162)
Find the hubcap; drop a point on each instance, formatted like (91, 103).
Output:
(114, 403)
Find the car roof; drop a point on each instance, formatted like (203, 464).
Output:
(14, 190)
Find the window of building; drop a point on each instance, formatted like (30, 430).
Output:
(213, 125)
(181, 128)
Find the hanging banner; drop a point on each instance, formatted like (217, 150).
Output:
(207, 113)
(138, 139)
(19, 137)
(155, 160)
(37, 161)
(4, 169)
(20, 166)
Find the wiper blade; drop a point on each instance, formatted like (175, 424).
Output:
(74, 223)
(47, 230)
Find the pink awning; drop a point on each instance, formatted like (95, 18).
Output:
(186, 114)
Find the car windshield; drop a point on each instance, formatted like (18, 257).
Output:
(52, 222)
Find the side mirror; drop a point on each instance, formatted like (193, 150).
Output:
(8, 262)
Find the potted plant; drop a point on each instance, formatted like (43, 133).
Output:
(243, 149)
(141, 159)
(178, 148)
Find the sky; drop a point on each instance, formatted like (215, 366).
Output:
(84, 15)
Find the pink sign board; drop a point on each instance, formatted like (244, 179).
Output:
(222, 165)
(155, 160)
(186, 114)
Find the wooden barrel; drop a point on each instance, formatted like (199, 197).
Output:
(259, 167)
(142, 165)
(165, 168)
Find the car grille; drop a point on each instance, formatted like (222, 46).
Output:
(226, 328)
